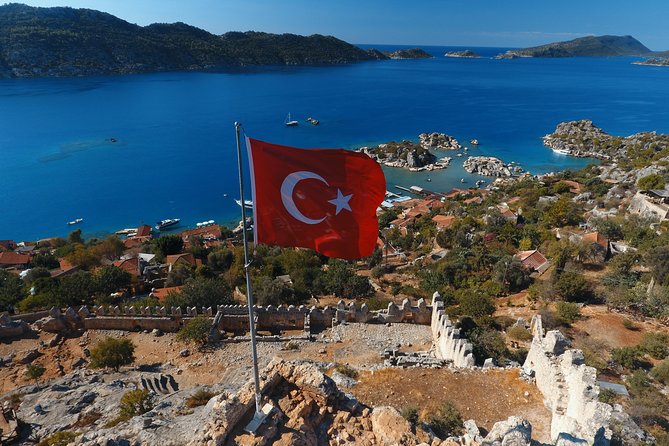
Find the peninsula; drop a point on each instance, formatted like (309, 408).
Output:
(590, 46)
(655, 62)
(38, 42)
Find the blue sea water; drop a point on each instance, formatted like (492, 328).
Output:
(175, 153)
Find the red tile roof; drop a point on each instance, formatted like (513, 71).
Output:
(205, 232)
(184, 257)
(144, 231)
(574, 187)
(12, 258)
(129, 265)
(161, 293)
(532, 259)
(443, 221)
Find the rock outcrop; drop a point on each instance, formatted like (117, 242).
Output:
(467, 54)
(12, 329)
(584, 139)
(490, 166)
(411, 53)
(406, 155)
(438, 141)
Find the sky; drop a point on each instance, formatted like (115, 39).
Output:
(496, 23)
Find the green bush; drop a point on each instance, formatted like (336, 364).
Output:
(488, 343)
(195, 330)
(607, 396)
(62, 438)
(114, 353)
(35, 371)
(199, 398)
(446, 421)
(346, 370)
(661, 372)
(410, 413)
(567, 313)
(628, 324)
(652, 181)
(476, 305)
(628, 357)
(377, 303)
(655, 344)
(519, 333)
(135, 402)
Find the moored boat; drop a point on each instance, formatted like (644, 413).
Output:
(474, 142)
(248, 204)
(75, 221)
(290, 122)
(163, 224)
(312, 121)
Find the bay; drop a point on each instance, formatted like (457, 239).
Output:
(174, 153)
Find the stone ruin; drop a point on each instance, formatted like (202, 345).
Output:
(569, 388)
(12, 328)
(448, 344)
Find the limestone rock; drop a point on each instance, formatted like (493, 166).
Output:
(389, 427)
(516, 431)
(28, 356)
(490, 166)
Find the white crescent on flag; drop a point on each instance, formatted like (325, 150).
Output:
(287, 188)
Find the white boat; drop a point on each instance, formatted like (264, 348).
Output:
(474, 142)
(561, 151)
(162, 224)
(248, 204)
(75, 221)
(290, 122)
(459, 154)
(312, 121)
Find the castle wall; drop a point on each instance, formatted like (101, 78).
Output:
(569, 388)
(448, 344)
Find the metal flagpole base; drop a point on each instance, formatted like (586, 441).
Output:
(258, 419)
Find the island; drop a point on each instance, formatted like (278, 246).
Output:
(655, 62)
(438, 141)
(584, 139)
(411, 53)
(590, 46)
(62, 41)
(467, 54)
(407, 155)
(490, 166)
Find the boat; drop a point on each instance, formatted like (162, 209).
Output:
(474, 142)
(75, 221)
(162, 224)
(248, 204)
(459, 154)
(290, 122)
(462, 180)
(312, 121)
(560, 151)
(126, 231)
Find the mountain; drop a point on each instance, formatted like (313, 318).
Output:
(591, 46)
(77, 42)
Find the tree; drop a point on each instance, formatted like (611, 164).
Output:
(567, 313)
(268, 291)
(110, 279)
(220, 260)
(45, 260)
(609, 229)
(135, 402)
(10, 290)
(36, 273)
(488, 343)
(76, 288)
(111, 248)
(476, 305)
(652, 181)
(511, 274)
(195, 330)
(75, 237)
(341, 280)
(35, 371)
(179, 274)
(200, 291)
(562, 212)
(571, 286)
(111, 352)
(85, 257)
(168, 245)
(658, 260)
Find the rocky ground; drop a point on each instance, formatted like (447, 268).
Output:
(438, 141)
(406, 155)
(490, 166)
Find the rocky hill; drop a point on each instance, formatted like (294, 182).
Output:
(590, 46)
(584, 139)
(76, 42)
(656, 62)
(468, 54)
(411, 53)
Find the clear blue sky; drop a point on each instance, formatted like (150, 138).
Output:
(504, 23)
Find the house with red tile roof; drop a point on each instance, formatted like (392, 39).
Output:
(130, 265)
(574, 186)
(144, 231)
(161, 293)
(185, 258)
(14, 260)
(533, 260)
(443, 221)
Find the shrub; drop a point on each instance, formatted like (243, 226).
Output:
(199, 398)
(519, 333)
(476, 305)
(572, 287)
(661, 372)
(196, 330)
(652, 181)
(410, 413)
(628, 324)
(377, 303)
(607, 396)
(446, 421)
(628, 357)
(488, 343)
(346, 370)
(111, 352)
(62, 438)
(35, 371)
(655, 344)
(567, 313)
(135, 402)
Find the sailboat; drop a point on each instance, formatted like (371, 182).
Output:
(290, 122)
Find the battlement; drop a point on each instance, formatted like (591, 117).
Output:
(448, 344)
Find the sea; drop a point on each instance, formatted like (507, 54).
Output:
(120, 151)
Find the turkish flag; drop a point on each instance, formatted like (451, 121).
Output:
(323, 199)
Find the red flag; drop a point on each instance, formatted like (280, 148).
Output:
(323, 199)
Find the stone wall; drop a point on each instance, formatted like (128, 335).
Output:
(229, 318)
(569, 388)
(448, 344)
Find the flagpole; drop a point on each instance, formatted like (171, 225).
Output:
(247, 265)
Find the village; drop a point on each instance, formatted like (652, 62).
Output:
(539, 304)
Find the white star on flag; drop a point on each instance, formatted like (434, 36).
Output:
(341, 202)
